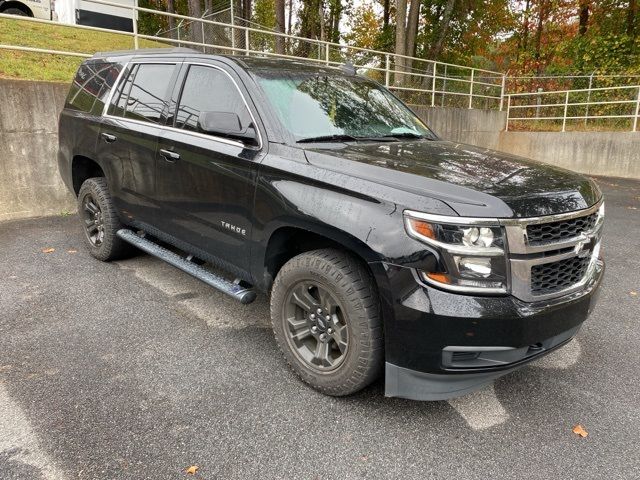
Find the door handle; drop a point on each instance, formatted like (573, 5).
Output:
(107, 137)
(169, 156)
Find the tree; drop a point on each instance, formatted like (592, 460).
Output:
(583, 15)
(401, 39)
(195, 10)
(280, 44)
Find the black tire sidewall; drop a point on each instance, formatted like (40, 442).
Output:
(15, 11)
(111, 245)
(354, 373)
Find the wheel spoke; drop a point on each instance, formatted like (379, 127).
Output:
(301, 335)
(91, 226)
(326, 300)
(295, 324)
(321, 355)
(339, 337)
(91, 208)
(303, 299)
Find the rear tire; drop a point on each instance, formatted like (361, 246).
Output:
(100, 221)
(326, 319)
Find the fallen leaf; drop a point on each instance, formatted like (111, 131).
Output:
(72, 251)
(192, 469)
(579, 430)
(48, 250)
(633, 293)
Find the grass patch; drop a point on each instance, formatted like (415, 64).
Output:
(54, 68)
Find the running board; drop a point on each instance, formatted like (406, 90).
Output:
(235, 290)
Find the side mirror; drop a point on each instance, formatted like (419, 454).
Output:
(227, 124)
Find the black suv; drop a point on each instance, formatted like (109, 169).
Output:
(379, 243)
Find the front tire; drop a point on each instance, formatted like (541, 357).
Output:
(100, 221)
(326, 319)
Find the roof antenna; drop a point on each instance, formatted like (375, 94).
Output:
(348, 68)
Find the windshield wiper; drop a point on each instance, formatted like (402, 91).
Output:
(404, 135)
(343, 137)
(330, 138)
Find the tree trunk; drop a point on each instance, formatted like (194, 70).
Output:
(195, 28)
(171, 8)
(280, 25)
(385, 13)
(436, 49)
(525, 26)
(631, 18)
(290, 17)
(412, 28)
(542, 15)
(401, 39)
(583, 14)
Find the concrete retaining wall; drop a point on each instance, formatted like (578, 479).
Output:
(30, 185)
(477, 127)
(29, 182)
(615, 154)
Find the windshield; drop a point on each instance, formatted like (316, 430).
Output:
(338, 108)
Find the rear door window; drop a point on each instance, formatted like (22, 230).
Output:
(208, 89)
(143, 95)
(92, 85)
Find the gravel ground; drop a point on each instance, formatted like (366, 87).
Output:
(135, 370)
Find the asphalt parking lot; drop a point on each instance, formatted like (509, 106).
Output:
(136, 370)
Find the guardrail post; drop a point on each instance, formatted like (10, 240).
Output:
(135, 25)
(506, 127)
(326, 53)
(433, 86)
(502, 91)
(233, 27)
(586, 110)
(204, 49)
(635, 119)
(566, 105)
(471, 90)
(246, 41)
(444, 85)
(387, 70)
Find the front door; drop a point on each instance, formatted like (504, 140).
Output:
(205, 183)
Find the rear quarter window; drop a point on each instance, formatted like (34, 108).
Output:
(91, 86)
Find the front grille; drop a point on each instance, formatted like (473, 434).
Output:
(553, 277)
(540, 234)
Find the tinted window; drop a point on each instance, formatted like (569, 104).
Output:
(143, 95)
(92, 85)
(208, 89)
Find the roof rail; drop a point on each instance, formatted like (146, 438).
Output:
(145, 51)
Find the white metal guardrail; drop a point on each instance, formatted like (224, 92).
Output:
(561, 109)
(417, 81)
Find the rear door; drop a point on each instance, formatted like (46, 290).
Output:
(129, 135)
(206, 185)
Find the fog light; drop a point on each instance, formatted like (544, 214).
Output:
(474, 266)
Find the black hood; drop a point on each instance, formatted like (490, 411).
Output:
(473, 181)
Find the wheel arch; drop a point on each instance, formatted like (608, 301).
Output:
(82, 168)
(14, 4)
(287, 241)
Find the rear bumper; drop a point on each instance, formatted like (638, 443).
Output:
(441, 345)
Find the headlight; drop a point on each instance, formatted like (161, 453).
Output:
(472, 253)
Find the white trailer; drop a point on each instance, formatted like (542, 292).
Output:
(75, 12)
(83, 12)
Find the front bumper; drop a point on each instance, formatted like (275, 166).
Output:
(441, 345)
